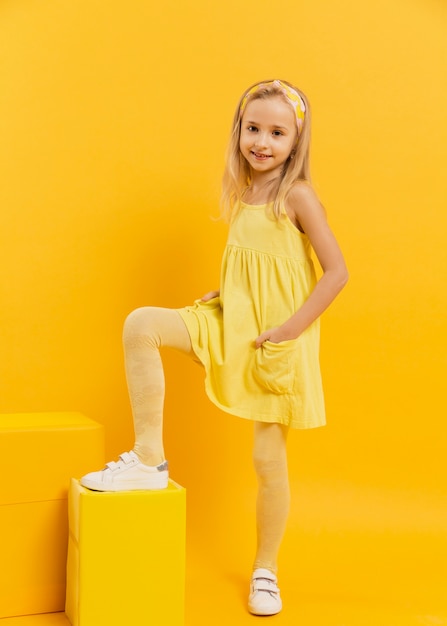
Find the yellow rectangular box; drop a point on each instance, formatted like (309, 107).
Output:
(126, 557)
(40, 453)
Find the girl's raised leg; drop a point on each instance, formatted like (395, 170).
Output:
(146, 330)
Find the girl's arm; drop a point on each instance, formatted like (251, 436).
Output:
(305, 210)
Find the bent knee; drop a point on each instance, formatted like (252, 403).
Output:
(139, 328)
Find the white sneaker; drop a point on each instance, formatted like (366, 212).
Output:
(128, 474)
(264, 596)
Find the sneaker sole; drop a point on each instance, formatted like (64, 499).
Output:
(156, 484)
(264, 613)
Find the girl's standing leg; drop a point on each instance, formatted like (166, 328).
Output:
(273, 501)
(146, 330)
(272, 510)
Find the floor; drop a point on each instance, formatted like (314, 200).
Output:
(226, 606)
(218, 596)
(351, 557)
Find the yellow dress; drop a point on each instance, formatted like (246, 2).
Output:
(266, 275)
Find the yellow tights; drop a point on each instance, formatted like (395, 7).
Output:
(147, 330)
(273, 501)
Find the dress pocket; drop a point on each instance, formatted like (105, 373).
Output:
(275, 364)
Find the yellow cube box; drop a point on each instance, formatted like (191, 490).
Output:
(126, 557)
(40, 452)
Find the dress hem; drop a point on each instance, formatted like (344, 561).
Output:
(266, 419)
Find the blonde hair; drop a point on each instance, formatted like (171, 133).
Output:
(236, 176)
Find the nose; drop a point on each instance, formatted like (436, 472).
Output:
(261, 140)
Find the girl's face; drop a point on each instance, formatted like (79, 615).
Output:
(268, 135)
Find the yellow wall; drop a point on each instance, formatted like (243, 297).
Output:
(113, 123)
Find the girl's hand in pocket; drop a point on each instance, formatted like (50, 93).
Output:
(274, 335)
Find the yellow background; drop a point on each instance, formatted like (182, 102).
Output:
(114, 119)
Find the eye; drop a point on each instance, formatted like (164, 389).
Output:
(252, 129)
(277, 133)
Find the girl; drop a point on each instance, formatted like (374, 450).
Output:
(258, 338)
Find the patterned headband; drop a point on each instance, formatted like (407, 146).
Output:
(292, 96)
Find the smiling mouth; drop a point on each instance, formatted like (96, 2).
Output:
(262, 157)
